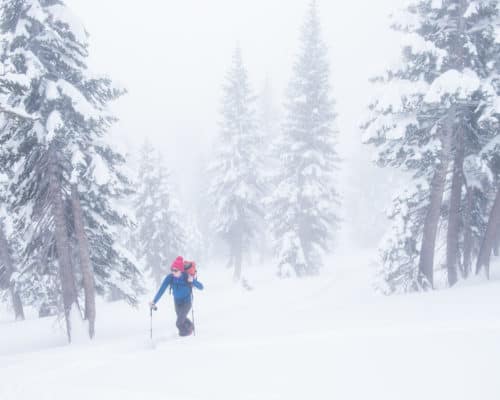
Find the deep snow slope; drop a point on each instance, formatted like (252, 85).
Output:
(322, 338)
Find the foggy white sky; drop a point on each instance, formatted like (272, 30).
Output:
(172, 57)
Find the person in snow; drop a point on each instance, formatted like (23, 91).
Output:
(181, 285)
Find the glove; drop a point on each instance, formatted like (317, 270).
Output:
(153, 306)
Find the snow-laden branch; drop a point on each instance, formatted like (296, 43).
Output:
(13, 112)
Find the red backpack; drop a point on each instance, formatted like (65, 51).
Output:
(190, 268)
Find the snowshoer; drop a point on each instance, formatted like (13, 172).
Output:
(181, 284)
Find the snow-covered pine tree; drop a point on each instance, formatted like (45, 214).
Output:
(202, 214)
(59, 146)
(489, 159)
(161, 235)
(482, 177)
(478, 49)
(236, 187)
(303, 209)
(143, 204)
(105, 191)
(487, 166)
(474, 209)
(399, 253)
(426, 120)
(99, 193)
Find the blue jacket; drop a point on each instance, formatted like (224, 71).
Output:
(181, 288)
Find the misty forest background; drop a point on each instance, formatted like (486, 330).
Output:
(80, 217)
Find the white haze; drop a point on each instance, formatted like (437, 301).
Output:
(172, 57)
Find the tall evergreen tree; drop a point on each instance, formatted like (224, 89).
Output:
(304, 206)
(161, 234)
(426, 120)
(488, 162)
(104, 189)
(60, 146)
(236, 187)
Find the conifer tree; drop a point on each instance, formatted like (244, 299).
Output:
(427, 120)
(161, 234)
(304, 206)
(236, 186)
(57, 141)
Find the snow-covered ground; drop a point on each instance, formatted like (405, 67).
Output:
(322, 338)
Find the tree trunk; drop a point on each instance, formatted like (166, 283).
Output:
(16, 304)
(496, 244)
(238, 259)
(469, 204)
(6, 260)
(230, 263)
(426, 262)
(66, 276)
(452, 246)
(85, 263)
(483, 259)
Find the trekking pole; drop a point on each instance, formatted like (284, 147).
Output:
(151, 322)
(151, 308)
(192, 313)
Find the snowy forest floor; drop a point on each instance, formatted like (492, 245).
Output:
(323, 338)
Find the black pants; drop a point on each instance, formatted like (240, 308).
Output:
(183, 323)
